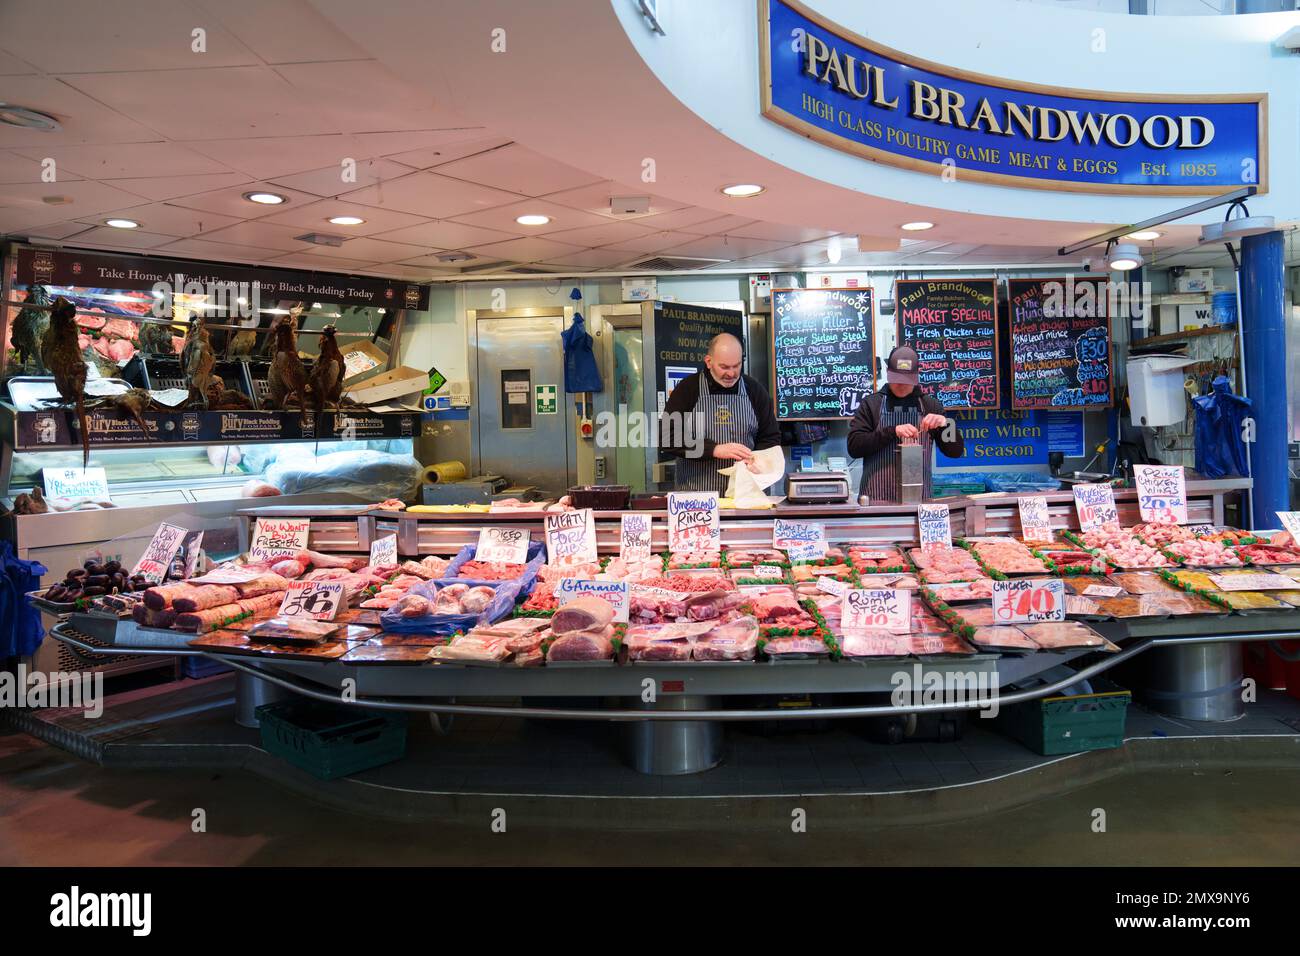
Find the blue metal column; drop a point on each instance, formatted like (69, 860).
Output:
(1264, 332)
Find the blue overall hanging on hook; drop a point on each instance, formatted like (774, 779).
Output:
(580, 371)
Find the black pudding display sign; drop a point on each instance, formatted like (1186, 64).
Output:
(1060, 343)
(953, 325)
(823, 352)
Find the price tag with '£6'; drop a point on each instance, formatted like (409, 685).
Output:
(314, 599)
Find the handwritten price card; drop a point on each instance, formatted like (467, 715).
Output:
(802, 540)
(571, 537)
(275, 538)
(383, 551)
(615, 592)
(1162, 493)
(1029, 601)
(1095, 505)
(693, 521)
(157, 557)
(636, 532)
(507, 545)
(319, 600)
(935, 525)
(890, 608)
(1035, 525)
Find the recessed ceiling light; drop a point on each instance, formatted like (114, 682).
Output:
(916, 226)
(1144, 235)
(266, 199)
(23, 118)
(346, 220)
(122, 223)
(532, 220)
(742, 190)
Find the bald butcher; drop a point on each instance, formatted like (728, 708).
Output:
(715, 417)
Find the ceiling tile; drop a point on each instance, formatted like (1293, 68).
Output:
(284, 31)
(160, 188)
(88, 198)
(595, 199)
(518, 170)
(170, 220)
(16, 168)
(365, 96)
(84, 120)
(195, 104)
(57, 230)
(321, 263)
(602, 235)
(206, 249)
(18, 219)
(315, 216)
(531, 249)
(329, 181)
(415, 273)
(654, 241)
(452, 144)
(593, 258)
(428, 194)
(719, 225)
(446, 235)
(261, 234)
(11, 65)
(430, 261)
(120, 160)
(118, 36)
(367, 250)
(682, 219)
(124, 238)
(274, 156)
(503, 217)
(775, 230)
(729, 247)
(231, 202)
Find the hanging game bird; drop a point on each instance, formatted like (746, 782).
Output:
(198, 360)
(326, 378)
(29, 327)
(156, 339)
(61, 356)
(287, 378)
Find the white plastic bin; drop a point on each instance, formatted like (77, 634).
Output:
(1155, 386)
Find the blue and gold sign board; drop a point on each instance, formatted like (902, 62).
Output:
(853, 94)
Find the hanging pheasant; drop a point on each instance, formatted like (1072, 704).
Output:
(29, 327)
(61, 356)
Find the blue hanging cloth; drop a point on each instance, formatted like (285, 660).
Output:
(20, 623)
(580, 371)
(1220, 445)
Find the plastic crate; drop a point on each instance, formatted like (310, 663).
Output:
(945, 489)
(329, 740)
(600, 497)
(196, 667)
(1069, 725)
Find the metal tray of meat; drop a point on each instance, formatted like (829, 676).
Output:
(37, 600)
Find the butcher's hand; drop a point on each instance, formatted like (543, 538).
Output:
(732, 451)
(906, 433)
(932, 421)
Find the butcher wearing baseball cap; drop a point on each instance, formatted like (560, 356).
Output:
(901, 413)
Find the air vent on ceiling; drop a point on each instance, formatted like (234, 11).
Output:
(321, 239)
(673, 263)
(455, 257)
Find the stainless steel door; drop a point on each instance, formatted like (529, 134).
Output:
(519, 368)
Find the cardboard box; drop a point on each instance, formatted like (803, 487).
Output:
(1195, 280)
(390, 385)
(360, 359)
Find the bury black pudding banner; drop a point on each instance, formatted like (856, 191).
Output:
(1060, 343)
(94, 270)
(953, 325)
(823, 352)
(832, 84)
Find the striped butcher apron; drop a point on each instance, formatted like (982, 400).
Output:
(881, 473)
(724, 418)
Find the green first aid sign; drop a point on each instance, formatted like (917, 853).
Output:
(546, 399)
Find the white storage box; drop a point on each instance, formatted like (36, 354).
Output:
(1195, 280)
(1155, 388)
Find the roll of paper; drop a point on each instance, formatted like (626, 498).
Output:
(444, 471)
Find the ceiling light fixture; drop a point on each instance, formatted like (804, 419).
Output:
(1124, 257)
(23, 118)
(743, 190)
(122, 223)
(532, 220)
(916, 226)
(266, 199)
(1144, 235)
(346, 220)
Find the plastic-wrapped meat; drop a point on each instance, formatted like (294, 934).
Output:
(778, 646)
(977, 616)
(533, 657)
(734, 641)
(928, 645)
(874, 642)
(1062, 634)
(1205, 554)
(476, 600)
(413, 605)
(1003, 638)
(965, 591)
(584, 612)
(595, 644)
(1009, 557)
(1162, 533)
(470, 647)
(712, 604)
(933, 576)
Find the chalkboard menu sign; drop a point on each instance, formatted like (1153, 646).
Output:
(1060, 343)
(823, 352)
(682, 334)
(953, 325)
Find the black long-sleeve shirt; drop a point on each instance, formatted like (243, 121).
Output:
(682, 401)
(867, 436)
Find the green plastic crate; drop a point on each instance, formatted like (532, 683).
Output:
(1070, 725)
(330, 740)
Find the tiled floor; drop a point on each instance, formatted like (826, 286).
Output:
(510, 755)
